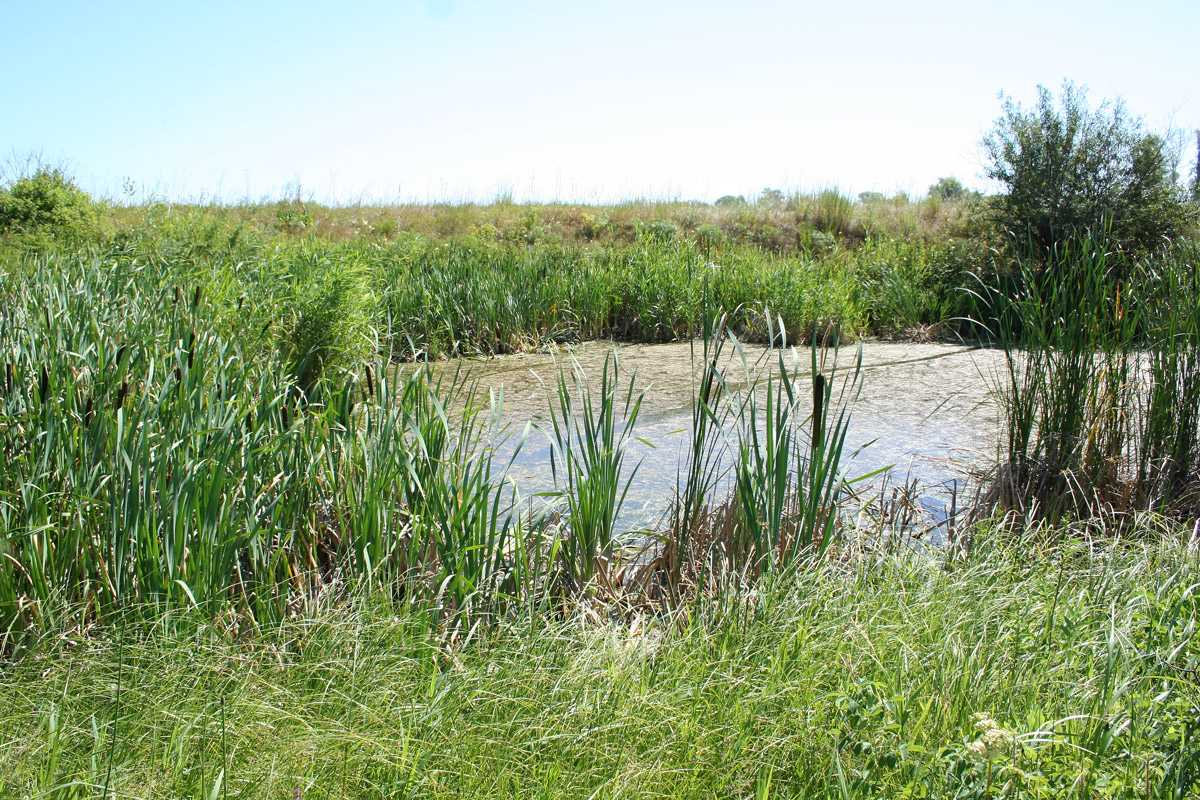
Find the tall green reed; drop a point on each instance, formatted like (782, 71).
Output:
(1100, 393)
(702, 475)
(786, 485)
(147, 463)
(590, 437)
(1168, 458)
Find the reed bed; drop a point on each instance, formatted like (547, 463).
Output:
(158, 456)
(1101, 394)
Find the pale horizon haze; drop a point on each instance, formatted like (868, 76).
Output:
(468, 100)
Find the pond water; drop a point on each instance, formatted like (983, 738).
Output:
(922, 409)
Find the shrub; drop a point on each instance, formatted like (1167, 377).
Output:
(47, 205)
(327, 320)
(709, 234)
(1070, 169)
(662, 230)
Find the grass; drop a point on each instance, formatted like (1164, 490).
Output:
(156, 457)
(855, 679)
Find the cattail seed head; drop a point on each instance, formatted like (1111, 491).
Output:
(370, 381)
(44, 386)
(120, 354)
(196, 298)
(87, 411)
(121, 395)
(287, 418)
(176, 294)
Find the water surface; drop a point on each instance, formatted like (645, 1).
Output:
(922, 409)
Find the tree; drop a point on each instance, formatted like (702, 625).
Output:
(948, 189)
(1068, 169)
(1196, 172)
(952, 190)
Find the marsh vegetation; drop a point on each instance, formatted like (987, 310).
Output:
(255, 544)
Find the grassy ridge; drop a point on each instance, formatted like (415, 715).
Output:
(503, 277)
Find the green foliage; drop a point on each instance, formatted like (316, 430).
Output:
(912, 288)
(1069, 168)
(709, 235)
(771, 198)
(327, 319)
(662, 230)
(832, 212)
(45, 206)
(589, 436)
(951, 189)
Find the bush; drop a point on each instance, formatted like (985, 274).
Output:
(1071, 169)
(47, 205)
(327, 320)
(662, 230)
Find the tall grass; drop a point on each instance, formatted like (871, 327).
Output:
(786, 488)
(785, 448)
(1169, 431)
(473, 297)
(857, 679)
(1100, 393)
(148, 464)
(155, 458)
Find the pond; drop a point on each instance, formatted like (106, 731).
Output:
(924, 410)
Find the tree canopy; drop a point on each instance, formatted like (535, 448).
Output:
(1067, 168)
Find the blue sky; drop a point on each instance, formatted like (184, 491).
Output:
(593, 101)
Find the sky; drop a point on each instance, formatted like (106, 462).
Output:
(567, 100)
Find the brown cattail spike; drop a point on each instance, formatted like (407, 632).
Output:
(818, 419)
(121, 395)
(44, 386)
(196, 298)
(370, 381)
(176, 294)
